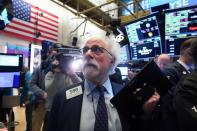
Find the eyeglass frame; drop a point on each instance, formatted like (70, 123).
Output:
(98, 47)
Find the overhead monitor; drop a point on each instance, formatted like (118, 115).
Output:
(11, 62)
(180, 25)
(9, 79)
(144, 37)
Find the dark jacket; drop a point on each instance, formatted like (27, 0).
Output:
(185, 103)
(175, 71)
(65, 114)
(37, 85)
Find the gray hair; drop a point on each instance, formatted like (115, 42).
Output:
(113, 47)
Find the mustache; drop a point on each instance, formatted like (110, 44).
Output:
(90, 62)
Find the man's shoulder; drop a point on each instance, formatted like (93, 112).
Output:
(191, 80)
(173, 67)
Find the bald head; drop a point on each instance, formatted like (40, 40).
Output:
(163, 60)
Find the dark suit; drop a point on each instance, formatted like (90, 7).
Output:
(65, 114)
(185, 103)
(175, 71)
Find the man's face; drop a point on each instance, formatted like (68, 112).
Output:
(162, 63)
(97, 62)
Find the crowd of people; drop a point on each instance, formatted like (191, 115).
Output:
(56, 98)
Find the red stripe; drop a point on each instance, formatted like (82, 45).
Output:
(35, 13)
(20, 29)
(28, 26)
(21, 36)
(44, 22)
(22, 24)
(29, 32)
(37, 8)
(40, 30)
(45, 27)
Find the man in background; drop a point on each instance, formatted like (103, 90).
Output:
(162, 61)
(185, 100)
(176, 72)
(37, 86)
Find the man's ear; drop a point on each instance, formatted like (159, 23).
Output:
(187, 52)
(113, 60)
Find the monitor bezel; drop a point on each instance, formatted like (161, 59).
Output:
(12, 68)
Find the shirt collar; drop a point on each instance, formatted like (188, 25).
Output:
(90, 87)
(183, 64)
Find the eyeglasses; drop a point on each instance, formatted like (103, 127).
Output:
(95, 49)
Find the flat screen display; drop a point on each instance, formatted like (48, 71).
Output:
(124, 71)
(9, 79)
(11, 62)
(180, 25)
(144, 37)
(124, 54)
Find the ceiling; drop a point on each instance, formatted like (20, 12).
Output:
(93, 13)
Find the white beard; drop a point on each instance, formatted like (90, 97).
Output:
(91, 72)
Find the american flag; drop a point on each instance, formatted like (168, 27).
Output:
(32, 23)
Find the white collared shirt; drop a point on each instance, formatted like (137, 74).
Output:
(184, 65)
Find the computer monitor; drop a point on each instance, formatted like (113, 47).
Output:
(11, 62)
(9, 79)
(144, 37)
(124, 54)
(180, 25)
(124, 71)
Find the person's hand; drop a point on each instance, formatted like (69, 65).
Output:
(45, 95)
(151, 103)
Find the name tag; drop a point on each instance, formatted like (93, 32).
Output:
(74, 92)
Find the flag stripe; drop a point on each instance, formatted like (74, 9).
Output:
(30, 20)
(44, 21)
(18, 22)
(47, 18)
(29, 32)
(44, 26)
(34, 7)
(28, 35)
(40, 14)
(20, 36)
(26, 30)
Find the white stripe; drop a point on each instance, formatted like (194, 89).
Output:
(26, 34)
(44, 24)
(39, 18)
(31, 30)
(44, 14)
(33, 26)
